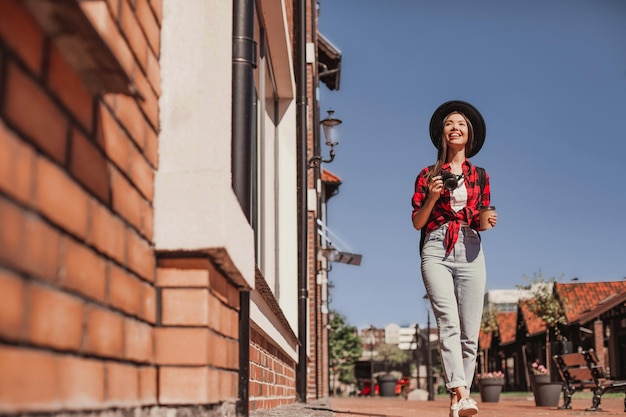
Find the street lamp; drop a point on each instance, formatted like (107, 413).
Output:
(372, 340)
(417, 354)
(329, 125)
(429, 356)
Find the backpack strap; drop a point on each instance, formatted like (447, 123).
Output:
(423, 229)
(422, 238)
(480, 172)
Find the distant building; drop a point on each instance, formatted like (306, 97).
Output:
(404, 336)
(504, 300)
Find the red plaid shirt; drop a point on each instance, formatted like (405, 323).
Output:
(442, 212)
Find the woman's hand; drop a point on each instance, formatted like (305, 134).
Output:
(435, 188)
(492, 219)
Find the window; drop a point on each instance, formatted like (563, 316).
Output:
(265, 164)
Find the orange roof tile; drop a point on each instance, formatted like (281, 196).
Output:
(329, 177)
(484, 340)
(610, 303)
(534, 324)
(579, 298)
(507, 326)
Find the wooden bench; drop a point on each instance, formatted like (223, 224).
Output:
(581, 370)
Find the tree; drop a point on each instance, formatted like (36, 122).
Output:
(389, 355)
(488, 324)
(544, 304)
(345, 348)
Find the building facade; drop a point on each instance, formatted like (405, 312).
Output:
(593, 314)
(158, 216)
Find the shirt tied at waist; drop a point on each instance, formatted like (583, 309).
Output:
(454, 226)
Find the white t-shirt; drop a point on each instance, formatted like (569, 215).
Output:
(458, 196)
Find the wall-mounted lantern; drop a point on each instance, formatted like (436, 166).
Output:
(329, 125)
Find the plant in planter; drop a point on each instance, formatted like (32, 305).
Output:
(390, 355)
(491, 375)
(546, 392)
(544, 304)
(539, 374)
(538, 369)
(488, 324)
(490, 385)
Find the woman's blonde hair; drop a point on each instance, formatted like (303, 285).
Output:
(442, 148)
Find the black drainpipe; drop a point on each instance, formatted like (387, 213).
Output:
(318, 173)
(244, 62)
(301, 137)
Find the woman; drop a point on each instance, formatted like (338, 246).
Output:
(453, 265)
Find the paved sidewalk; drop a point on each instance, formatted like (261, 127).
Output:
(509, 406)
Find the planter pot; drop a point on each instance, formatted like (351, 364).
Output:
(490, 389)
(546, 393)
(387, 384)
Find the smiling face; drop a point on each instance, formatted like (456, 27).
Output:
(455, 131)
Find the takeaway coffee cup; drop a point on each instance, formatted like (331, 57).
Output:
(485, 212)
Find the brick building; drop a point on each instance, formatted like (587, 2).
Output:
(158, 218)
(594, 316)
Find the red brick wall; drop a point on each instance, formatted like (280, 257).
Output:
(272, 374)
(77, 264)
(196, 344)
(311, 225)
(598, 341)
(317, 378)
(87, 320)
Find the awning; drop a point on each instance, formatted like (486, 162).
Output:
(331, 184)
(334, 249)
(328, 62)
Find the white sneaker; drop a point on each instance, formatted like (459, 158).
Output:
(467, 407)
(454, 410)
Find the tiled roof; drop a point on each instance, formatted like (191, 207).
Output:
(534, 325)
(610, 303)
(484, 340)
(329, 177)
(579, 298)
(507, 326)
(576, 298)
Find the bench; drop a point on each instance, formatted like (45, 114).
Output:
(581, 370)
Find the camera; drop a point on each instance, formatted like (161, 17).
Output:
(450, 180)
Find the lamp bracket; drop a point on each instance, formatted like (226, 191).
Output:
(316, 161)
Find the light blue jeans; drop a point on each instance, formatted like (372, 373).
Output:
(456, 287)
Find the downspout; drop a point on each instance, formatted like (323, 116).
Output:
(301, 137)
(316, 177)
(244, 62)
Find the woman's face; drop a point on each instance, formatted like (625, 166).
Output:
(455, 131)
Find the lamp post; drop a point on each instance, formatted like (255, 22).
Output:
(429, 356)
(417, 354)
(429, 370)
(329, 125)
(372, 340)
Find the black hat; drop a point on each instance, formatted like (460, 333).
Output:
(471, 112)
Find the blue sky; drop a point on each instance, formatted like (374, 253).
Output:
(549, 78)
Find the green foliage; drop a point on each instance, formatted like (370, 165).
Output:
(543, 302)
(489, 322)
(344, 348)
(390, 354)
